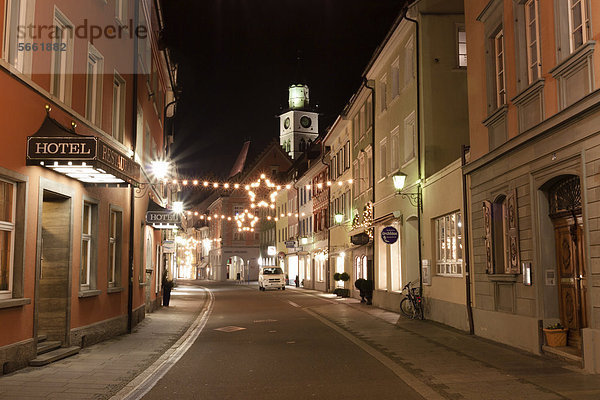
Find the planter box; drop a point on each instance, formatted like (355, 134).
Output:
(556, 337)
(342, 292)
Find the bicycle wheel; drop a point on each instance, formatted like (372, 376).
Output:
(406, 306)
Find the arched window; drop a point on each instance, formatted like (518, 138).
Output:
(364, 267)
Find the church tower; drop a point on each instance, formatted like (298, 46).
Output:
(299, 124)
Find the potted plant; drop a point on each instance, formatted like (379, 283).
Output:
(344, 277)
(366, 290)
(556, 335)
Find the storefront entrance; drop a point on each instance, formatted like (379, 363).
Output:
(565, 212)
(54, 266)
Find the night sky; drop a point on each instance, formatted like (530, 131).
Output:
(238, 57)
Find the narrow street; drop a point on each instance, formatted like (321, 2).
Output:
(264, 345)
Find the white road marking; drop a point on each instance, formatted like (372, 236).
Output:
(229, 329)
(294, 304)
(144, 382)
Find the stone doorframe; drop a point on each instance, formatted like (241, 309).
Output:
(544, 255)
(46, 184)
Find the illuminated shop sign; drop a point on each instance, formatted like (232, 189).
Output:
(87, 159)
(163, 219)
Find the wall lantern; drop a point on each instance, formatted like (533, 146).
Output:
(338, 218)
(415, 198)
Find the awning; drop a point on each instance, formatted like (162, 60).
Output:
(89, 159)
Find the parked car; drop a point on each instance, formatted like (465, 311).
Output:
(271, 277)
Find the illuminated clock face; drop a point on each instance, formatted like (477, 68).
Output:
(305, 122)
(286, 123)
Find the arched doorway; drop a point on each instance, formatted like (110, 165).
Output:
(565, 211)
(235, 268)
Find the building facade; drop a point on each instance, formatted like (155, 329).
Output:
(79, 264)
(420, 123)
(533, 102)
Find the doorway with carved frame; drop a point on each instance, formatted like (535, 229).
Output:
(565, 211)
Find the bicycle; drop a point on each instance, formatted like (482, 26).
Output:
(412, 304)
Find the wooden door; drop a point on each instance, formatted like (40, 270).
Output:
(53, 284)
(571, 276)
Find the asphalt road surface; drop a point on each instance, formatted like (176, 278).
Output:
(270, 347)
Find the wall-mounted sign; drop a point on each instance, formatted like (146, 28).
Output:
(389, 235)
(162, 217)
(359, 239)
(271, 250)
(168, 247)
(88, 159)
(290, 244)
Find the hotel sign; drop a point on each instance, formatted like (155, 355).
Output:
(86, 158)
(163, 217)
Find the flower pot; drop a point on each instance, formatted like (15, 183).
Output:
(556, 337)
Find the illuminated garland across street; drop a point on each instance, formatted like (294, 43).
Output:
(263, 193)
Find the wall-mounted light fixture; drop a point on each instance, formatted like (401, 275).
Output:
(415, 198)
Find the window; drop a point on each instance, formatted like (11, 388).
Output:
(501, 230)
(121, 11)
(382, 267)
(361, 121)
(499, 68)
(532, 33)
(369, 113)
(7, 237)
(362, 173)
(60, 84)
(409, 138)
(383, 158)
(93, 104)
(449, 244)
(347, 153)
(395, 149)
(395, 77)
(87, 277)
(355, 129)
(118, 116)
(578, 23)
(396, 262)
(16, 15)
(369, 171)
(355, 178)
(383, 94)
(409, 63)
(114, 247)
(461, 38)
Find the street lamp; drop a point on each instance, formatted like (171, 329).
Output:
(160, 169)
(338, 218)
(178, 207)
(415, 198)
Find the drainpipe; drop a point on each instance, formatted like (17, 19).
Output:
(328, 278)
(132, 190)
(419, 161)
(372, 88)
(464, 151)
